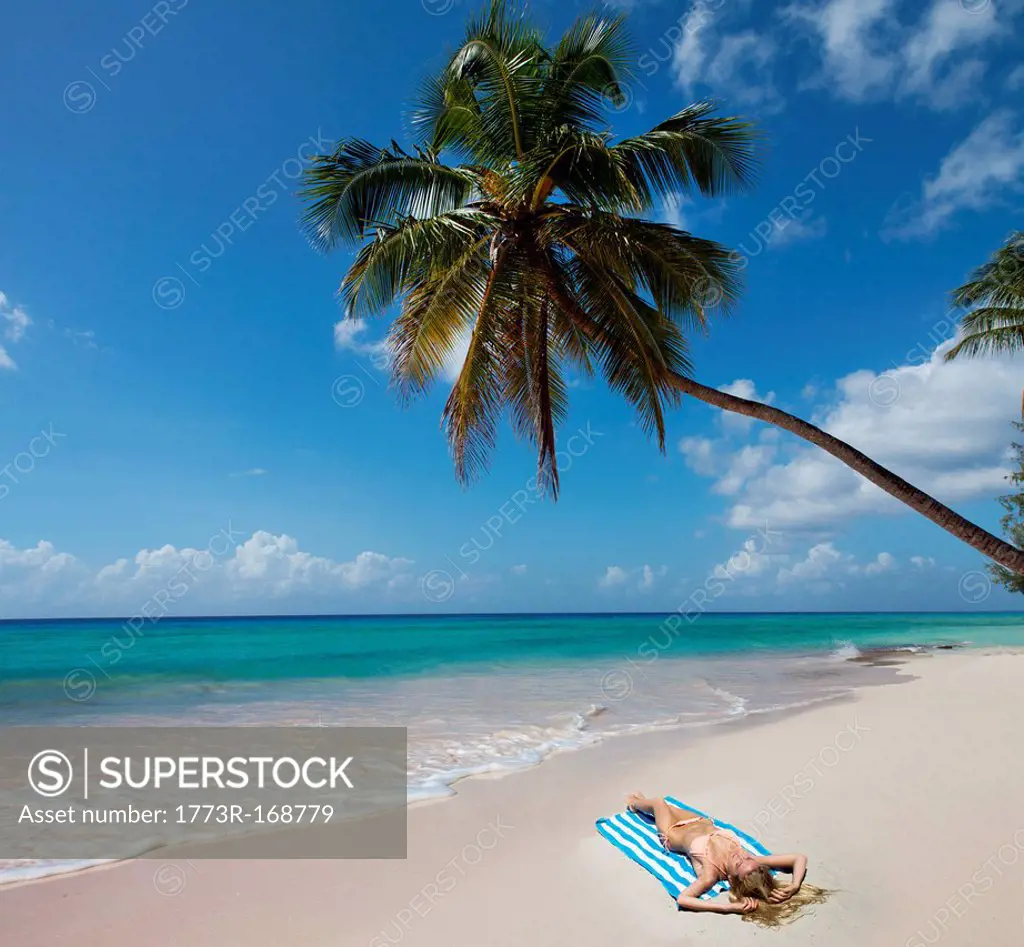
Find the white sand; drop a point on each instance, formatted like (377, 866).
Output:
(907, 800)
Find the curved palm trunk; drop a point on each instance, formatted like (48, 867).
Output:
(972, 534)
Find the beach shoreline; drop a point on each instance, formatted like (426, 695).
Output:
(851, 782)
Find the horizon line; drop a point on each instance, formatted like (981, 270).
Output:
(538, 614)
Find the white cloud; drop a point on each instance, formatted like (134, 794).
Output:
(942, 31)
(884, 562)
(645, 577)
(649, 575)
(868, 53)
(700, 454)
(742, 68)
(254, 472)
(689, 54)
(750, 561)
(15, 322)
(820, 560)
(922, 562)
(789, 230)
(229, 571)
(944, 426)
(855, 59)
(824, 565)
(737, 67)
(518, 570)
(1015, 80)
(769, 568)
(742, 465)
(348, 337)
(977, 173)
(613, 576)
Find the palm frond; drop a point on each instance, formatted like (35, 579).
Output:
(534, 383)
(996, 340)
(360, 186)
(586, 74)
(436, 314)
(693, 150)
(687, 278)
(408, 253)
(475, 403)
(638, 351)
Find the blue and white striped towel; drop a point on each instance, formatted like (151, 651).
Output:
(636, 836)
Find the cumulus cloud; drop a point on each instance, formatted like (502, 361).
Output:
(768, 563)
(643, 578)
(980, 171)
(824, 563)
(944, 426)
(230, 572)
(613, 576)
(753, 558)
(884, 562)
(819, 562)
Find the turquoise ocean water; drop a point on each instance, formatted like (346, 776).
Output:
(478, 693)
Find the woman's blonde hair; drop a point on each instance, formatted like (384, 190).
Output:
(759, 884)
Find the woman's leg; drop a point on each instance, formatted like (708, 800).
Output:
(665, 814)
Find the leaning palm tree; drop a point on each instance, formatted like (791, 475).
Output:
(994, 296)
(531, 241)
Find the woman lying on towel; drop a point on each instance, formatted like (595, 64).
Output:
(718, 855)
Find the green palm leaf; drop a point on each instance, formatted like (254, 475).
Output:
(995, 296)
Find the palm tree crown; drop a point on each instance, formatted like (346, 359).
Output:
(533, 243)
(995, 296)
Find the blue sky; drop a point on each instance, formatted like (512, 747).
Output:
(171, 368)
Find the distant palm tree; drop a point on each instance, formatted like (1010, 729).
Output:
(533, 246)
(995, 297)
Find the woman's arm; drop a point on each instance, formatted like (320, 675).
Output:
(796, 864)
(689, 899)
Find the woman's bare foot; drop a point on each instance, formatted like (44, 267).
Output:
(635, 801)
